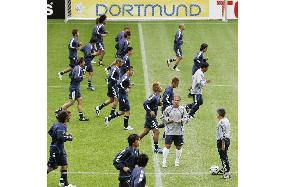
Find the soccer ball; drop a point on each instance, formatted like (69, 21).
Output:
(214, 170)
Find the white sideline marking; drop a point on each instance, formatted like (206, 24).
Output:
(106, 173)
(104, 85)
(158, 181)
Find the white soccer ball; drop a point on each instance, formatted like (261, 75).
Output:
(214, 170)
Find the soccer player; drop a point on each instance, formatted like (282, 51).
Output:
(58, 155)
(177, 48)
(223, 140)
(126, 160)
(175, 116)
(120, 35)
(124, 106)
(138, 174)
(98, 33)
(75, 94)
(122, 45)
(73, 46)
(112, 93)
(151, 123)
(90, 51)
(167, 98)
(199, 58)
(198, 82)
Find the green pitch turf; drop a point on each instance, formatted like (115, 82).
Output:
(91, 152)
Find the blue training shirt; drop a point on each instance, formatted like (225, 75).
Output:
(73, 46)
(88, 50)
(122, 47)
(113, 76)
(123, 85)
(76, 77)
(58, 134)
(98, 30)
(151, 104)
(138, 177)
(168, 96)
(178, 38)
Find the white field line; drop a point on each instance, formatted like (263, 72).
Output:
(148, 23)
(158, 176)
(110, 173)
(104, 85)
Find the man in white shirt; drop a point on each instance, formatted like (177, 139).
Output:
(198, 82)
(175, 117)
(223, 140)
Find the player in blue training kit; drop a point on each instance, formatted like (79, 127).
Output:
(151, 123)
(73, 46)
(112, 92)
(90, 51)
(75, 94)
(168, 97)
(177, 47)
(124, 106)
(199, 58)
(138, 178)
(98, 33)
(120, 35)
(126, 160)
(58, 155)
(122, 45)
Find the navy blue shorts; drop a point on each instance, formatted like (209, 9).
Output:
(72, 62)
(100, 46)
(178, 51)
(177, 139)
(124, 105)
(151, 124)
(112, 91)
(74, 93)
(89, 68)
(57, 158)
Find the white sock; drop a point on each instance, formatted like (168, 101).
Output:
(165, 154)
(178, 154)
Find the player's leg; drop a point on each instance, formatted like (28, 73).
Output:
(80, 108)
(101, 106)
(178, 141)
(72, 64)
(144, 133)
(89, 69)
(170, 60)
(102, 52)
(156, 133)
(126, 119)
(178, 59)
(114, 105)
(52, 163)
(166, 150)
(195, 105)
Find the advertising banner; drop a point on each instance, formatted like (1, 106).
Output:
(145, 9)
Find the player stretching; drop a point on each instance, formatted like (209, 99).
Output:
(175, 116)
(112, 93)
(151, 123)
(98, 33)
(124, 106)
(73, 47)
(58, 155)
(75, 94)
(177, 48)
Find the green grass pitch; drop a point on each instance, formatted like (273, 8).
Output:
(91, 153)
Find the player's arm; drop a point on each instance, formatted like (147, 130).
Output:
(184, 118)
(62, 136)
(119, 161)
(146, 106)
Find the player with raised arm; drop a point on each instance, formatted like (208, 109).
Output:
(151, 107)
(73, 46)
(74, 89)
(112, 93)
(98, 33)
(124, 106)
(175, 116)
(90, 51)
(126, 160)
(58, 155)
(177, 47)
